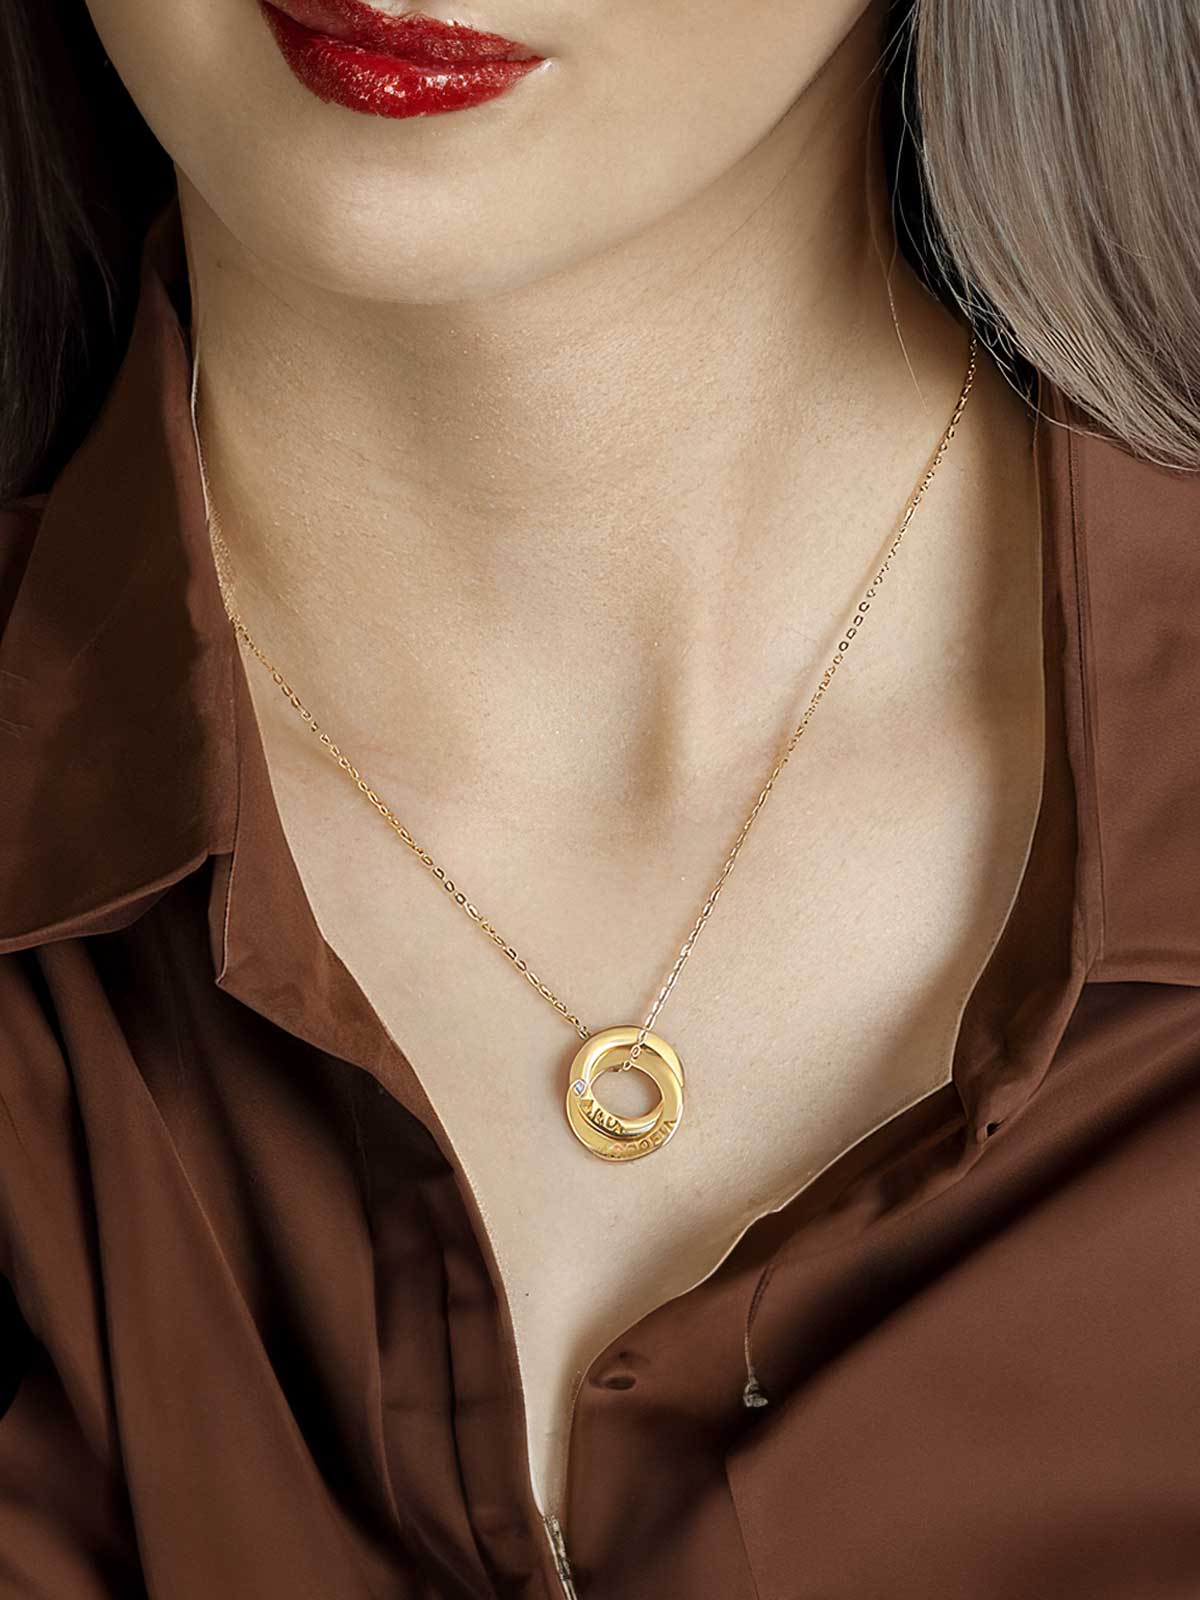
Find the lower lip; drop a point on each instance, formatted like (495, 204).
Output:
(383, 85)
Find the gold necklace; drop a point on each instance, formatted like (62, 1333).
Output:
(603, 1132)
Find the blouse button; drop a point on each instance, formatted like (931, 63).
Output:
(615, 1377)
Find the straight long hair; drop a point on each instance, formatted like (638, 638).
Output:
(1043, 160)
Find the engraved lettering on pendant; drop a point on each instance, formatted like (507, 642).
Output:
(641, 1147)
(604, 1132)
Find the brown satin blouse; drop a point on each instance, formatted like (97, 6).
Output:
(253, 1342)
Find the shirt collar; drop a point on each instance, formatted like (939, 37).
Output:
(130, 744)
(132, 752)
(115, 665)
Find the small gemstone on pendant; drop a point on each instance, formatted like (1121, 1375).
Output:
(579, 1086)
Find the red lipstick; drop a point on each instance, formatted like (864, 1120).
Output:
(392, 66)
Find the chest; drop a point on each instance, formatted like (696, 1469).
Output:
(823, 998)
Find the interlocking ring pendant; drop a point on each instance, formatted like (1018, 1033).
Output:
(602, 1131)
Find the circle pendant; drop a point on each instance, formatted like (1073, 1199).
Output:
(601, 1130)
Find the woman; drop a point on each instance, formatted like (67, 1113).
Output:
(557, 403)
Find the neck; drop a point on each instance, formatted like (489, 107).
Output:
(601, 514)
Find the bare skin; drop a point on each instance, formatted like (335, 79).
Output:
(559, 565)
(802, 1023)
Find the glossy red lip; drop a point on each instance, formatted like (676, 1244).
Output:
(393, 66)
(412, 36)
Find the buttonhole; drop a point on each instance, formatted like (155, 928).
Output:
(616, 1380)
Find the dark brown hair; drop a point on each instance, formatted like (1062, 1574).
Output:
(1042, 158)
(80, 177)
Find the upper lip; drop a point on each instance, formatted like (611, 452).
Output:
(411, 36)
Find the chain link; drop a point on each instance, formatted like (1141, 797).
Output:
(224, 568)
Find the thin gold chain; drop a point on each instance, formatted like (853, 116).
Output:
(225, 581)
